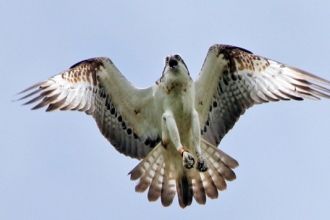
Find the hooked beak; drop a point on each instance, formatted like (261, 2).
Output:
(173, 63)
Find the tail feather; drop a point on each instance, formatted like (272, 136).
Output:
(169, 185)
(209, 186)
(221, 161)
(218, 154)
(217, 178)
(198, 188)
(162, 171)
(157, 183)
(185, 191)
(147, 168)
(222, 169)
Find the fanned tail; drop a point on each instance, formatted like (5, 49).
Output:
(163, 173)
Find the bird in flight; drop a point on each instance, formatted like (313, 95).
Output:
(175, 125)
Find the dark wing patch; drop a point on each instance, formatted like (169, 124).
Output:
(91, 63)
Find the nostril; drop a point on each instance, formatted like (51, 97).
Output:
(173, 63)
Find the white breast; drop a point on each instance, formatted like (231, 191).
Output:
(176, 94)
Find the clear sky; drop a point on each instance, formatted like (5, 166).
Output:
(58, 166)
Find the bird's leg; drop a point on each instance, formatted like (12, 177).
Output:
(170, 130)
(201, 164)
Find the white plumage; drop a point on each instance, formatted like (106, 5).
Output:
(176, 124)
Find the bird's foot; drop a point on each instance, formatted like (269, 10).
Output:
(201, 164)
(187, 159)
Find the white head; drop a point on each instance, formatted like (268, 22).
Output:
(175, 64)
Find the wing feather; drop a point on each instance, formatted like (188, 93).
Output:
(123, 113)
(233, 79)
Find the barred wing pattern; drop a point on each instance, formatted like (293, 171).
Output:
(233, 79)
(123, 113)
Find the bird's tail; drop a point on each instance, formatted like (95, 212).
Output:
(164, 175)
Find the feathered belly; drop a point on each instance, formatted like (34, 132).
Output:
(182, 107)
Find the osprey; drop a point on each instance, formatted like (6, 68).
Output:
(175, 125)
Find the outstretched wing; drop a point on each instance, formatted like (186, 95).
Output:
(233, 79)
(123, 113)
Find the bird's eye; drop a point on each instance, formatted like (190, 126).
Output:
(166, 60)
(177, 57)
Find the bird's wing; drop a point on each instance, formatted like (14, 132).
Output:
(233, 79)
(124, 114)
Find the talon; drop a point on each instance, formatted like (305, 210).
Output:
(188, 160)
(201, 165)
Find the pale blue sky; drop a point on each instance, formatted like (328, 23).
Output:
(58, 166)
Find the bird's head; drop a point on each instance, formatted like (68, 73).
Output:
(174, 63)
